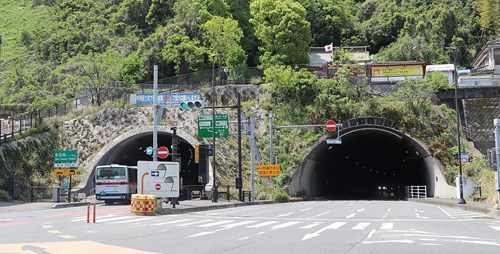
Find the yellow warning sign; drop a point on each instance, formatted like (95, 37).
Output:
(269, 170)
(65, 171)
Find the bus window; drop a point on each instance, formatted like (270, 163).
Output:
(111, 173)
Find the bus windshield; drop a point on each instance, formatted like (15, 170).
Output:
(111, 173)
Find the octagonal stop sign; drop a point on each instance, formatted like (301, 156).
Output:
(331, 125)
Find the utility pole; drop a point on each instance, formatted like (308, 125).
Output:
(496, 122)
(155, 113)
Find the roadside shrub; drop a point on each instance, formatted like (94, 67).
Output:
(4, 196)
(281, 196)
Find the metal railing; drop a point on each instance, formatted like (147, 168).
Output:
(416, 191)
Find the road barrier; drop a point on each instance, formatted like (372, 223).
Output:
(417, 191)
(88, 213)
(143, 204)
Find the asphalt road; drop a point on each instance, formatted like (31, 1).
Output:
(296, 227)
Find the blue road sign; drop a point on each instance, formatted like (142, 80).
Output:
(149, 150)
(155, 173)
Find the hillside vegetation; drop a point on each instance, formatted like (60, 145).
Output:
(53, 50)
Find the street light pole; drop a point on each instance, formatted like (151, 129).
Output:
(214, 186)
(461, 199)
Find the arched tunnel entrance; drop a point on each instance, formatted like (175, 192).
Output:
(133, 148)
(372, 162)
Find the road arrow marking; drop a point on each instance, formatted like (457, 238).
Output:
(350, 216)
(305, 209)
(335, 225)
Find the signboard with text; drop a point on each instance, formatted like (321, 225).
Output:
(65, 159)
(205, 126)
(159, 178)
(269, 170)
(169, 99)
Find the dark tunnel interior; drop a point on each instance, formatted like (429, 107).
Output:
(368, 164)
(133, 149)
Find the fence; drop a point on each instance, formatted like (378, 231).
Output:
(416, 191)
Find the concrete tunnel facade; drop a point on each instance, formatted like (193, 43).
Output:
(373, 161)
(370, 156)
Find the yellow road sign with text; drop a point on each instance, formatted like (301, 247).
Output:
(65, 171)
(269, 170)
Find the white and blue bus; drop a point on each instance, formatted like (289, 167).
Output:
(115, 183)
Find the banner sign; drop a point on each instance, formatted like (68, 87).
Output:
(163, 98)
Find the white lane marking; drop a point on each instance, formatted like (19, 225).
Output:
(84, 218)
(238, 224)
(495, 227)
(350, 216)
(318, 215)
(4, 220)
(215, 223)
(447, 214)
(115, 218)
(170, 222)
(480, 242)
(335, 225)
(262, 224)
(284, 225)
(371, 234)
(260, 233)
(46, 226)
(206, 233)
(54, 231)
(312, 225)
(221, 213)
(67, 236)
(305, 209)
(129, 221)
(360, 210)
(388, 241)
(361, 226)
(285, 214)
(243, 238)
(387, 213)
(192, 223)
(387, 226)
(421, 217)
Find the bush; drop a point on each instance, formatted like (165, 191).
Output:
(281, 196)
(4, 196)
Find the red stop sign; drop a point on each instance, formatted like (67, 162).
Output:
(158, 186)
(162, 152)
(331, 125)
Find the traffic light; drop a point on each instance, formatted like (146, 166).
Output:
(198, 104)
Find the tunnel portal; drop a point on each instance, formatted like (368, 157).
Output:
(372, 162)
(133, 149)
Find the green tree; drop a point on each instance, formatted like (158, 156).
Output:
(96, 73)
(181, 50)
(283, 31)
(222, 36)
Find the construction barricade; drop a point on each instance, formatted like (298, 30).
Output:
(143, 204)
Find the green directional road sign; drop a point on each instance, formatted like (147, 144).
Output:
(65, 159)
(205, 126)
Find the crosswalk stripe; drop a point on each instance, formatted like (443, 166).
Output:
(263, 224)
(284, 225)
(114, 218)
(194, 222)
(170, 222)
(387, 226)
(361, 226)
(215, 223)
(312, 225)
(241, 223)
(84, 218)
(129, 221)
